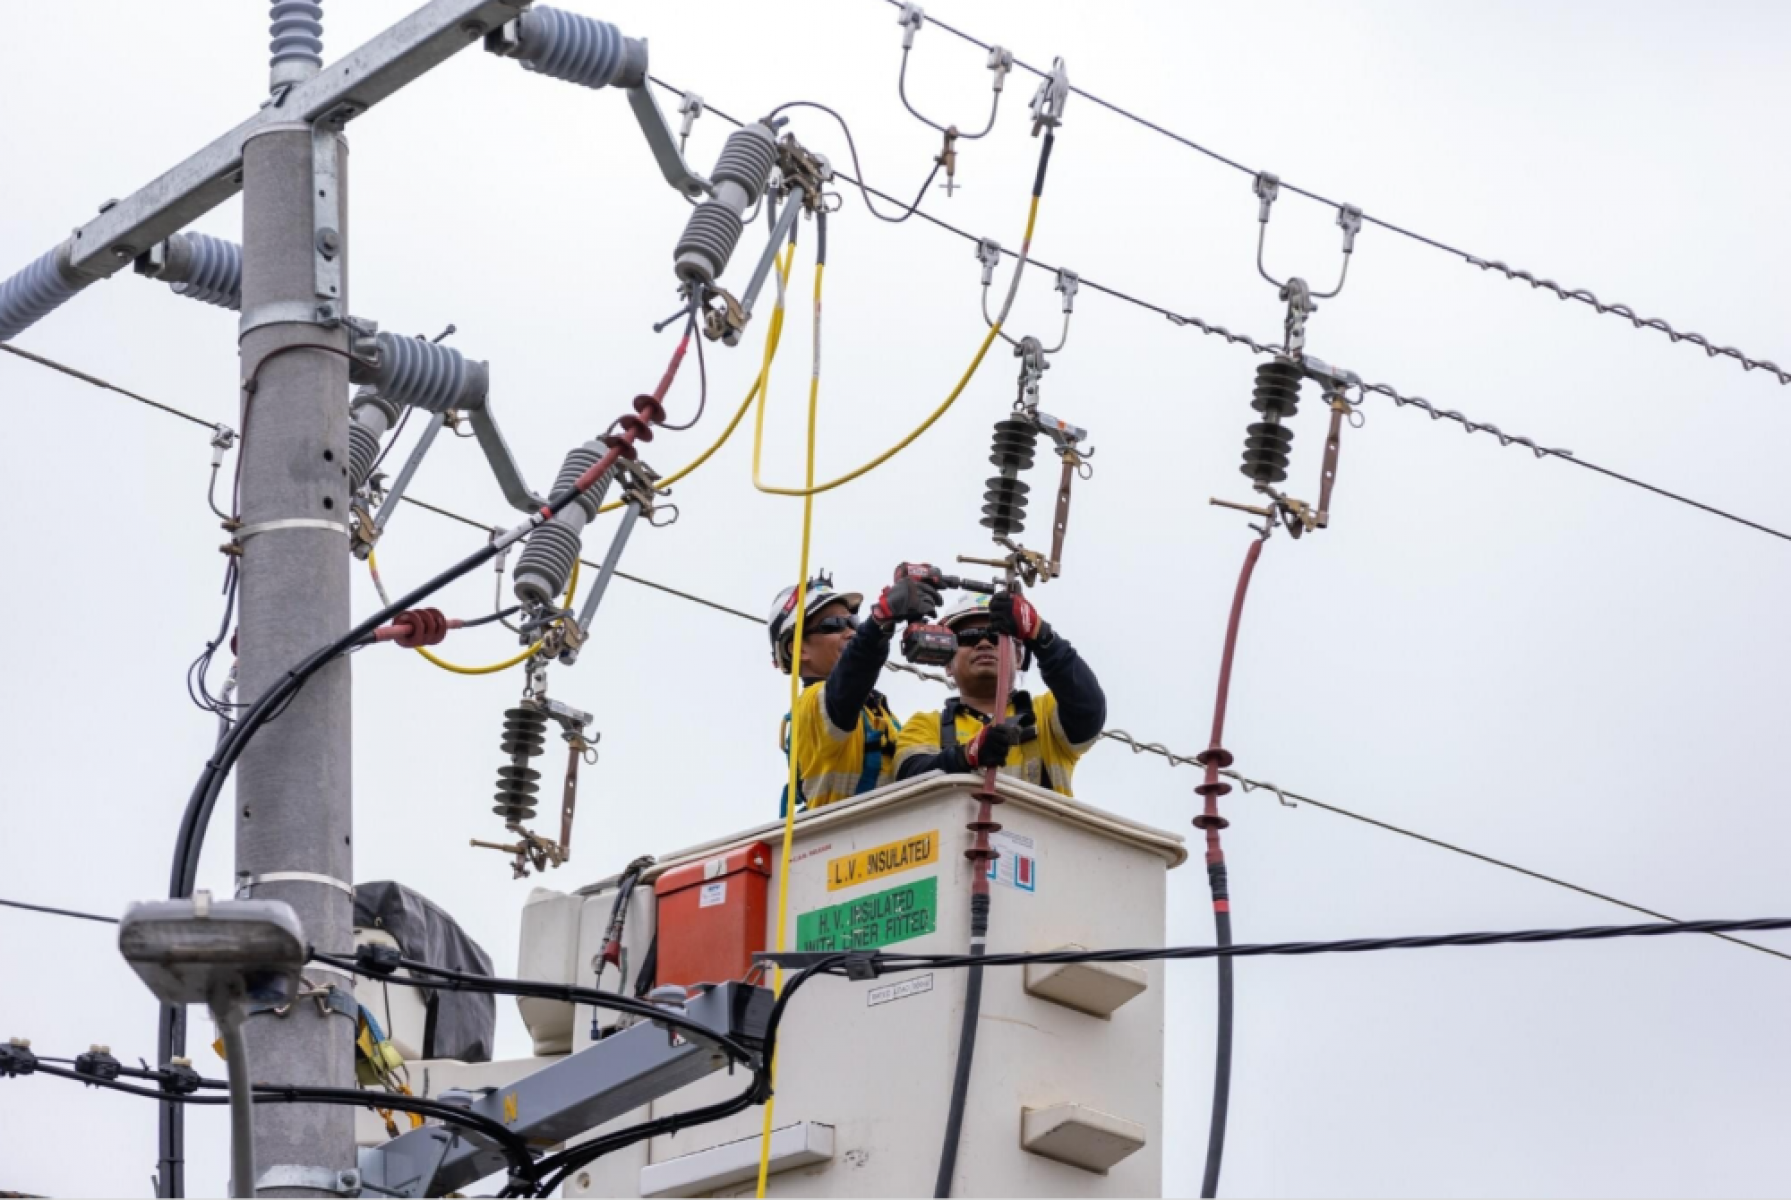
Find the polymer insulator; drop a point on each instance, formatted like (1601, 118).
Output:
(548, 556)
(296, 31)
(1004, 503)
(201, 267)
(1268, 443)
(579, 49)
(427, 375)
(369, 419)
(525, 737)
(738, 181)
(35, 292)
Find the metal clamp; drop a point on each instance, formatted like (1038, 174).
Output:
(296, 312)
(1069, 283)
(690, 107)
(248, 531)
(246, 881)
(321, 1179)
(1349, 219)
(1268, 186)
(912, 17)
(1048, 101)
(988, 253)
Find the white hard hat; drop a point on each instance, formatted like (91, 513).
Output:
(976, 606)
(781, 625)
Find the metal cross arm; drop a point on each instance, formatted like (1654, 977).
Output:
(345, 89)
(584, 1090)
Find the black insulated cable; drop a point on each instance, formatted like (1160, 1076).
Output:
(884, 964)
(960, 1079)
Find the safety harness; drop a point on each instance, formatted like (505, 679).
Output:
(877, 744)
(1023, 714)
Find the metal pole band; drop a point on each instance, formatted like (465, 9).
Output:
(321, 1179)
(249, 531)
(245, 882)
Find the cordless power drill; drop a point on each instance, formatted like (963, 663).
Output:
(933, 645)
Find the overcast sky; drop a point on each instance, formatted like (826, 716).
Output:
(1513, 654)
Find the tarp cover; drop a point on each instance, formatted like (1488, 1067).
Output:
(460, 1024)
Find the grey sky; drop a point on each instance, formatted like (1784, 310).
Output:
(1506, 652)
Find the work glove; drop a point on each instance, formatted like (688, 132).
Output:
(990, 747)
(1014, 615)
(907, 599)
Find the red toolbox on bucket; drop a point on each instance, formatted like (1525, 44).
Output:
(712, 916)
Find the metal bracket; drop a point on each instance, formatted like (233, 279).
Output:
(666, 153)
(320, 1179)
(326, 210)
(502, 462)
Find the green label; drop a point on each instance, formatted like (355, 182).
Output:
(880, 919)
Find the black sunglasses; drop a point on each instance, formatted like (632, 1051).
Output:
(976, 637)
(829, 625)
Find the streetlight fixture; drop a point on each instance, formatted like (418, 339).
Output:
(219, 953)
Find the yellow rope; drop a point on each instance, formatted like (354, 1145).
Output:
(813, 488)
(494, 668)
(791, 796)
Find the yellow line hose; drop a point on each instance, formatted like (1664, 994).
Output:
(456, 668)
(813, 489)
(808, 510)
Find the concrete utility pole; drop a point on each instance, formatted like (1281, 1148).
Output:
(294, 822)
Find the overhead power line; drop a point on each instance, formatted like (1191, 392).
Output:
(1117, 735)
(1560, 292)
(855, 964)
(97, 382)
(1400, 399)
(60, 912)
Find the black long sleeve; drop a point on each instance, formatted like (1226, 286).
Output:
(1081, 704)
(854, 676)
(950, 760)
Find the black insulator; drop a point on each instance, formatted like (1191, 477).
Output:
(1015, 442)
(1004, 504)
(1268, 442)
(525, 737)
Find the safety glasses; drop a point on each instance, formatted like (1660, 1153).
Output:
(976, 637)
(829, 625)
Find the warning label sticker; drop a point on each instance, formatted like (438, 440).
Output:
(713, 894)
(1016, 863)
(879, 919)
(889, 859)
(917, 986)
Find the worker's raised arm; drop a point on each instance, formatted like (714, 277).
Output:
(1081, 704)
(854, 677)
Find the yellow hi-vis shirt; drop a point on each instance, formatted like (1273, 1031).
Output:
(1050, 751)
(830, 761)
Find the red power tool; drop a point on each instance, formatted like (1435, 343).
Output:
(934, 645)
